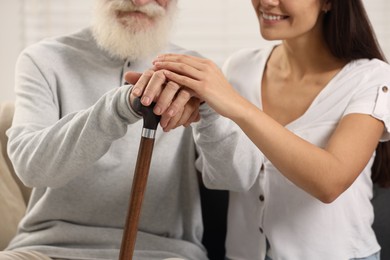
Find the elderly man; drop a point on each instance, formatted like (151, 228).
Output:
(75, 139)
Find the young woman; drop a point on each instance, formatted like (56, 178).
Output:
(316, 106)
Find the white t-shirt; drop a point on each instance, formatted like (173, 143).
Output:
(297, 225)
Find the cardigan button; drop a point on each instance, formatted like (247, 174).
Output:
(385, 89)
(261, 197)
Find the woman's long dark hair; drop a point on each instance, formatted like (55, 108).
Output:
(349, 35)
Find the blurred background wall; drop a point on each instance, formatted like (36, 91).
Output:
(215, 28)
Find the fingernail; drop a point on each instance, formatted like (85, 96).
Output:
(171, 112)
(157, 110)
(136, 91)
(145, 101)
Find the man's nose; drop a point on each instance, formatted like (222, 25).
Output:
(142, 2)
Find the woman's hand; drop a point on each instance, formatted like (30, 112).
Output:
(205, 79)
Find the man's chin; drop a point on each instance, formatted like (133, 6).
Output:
(131, 35)
(133, 41)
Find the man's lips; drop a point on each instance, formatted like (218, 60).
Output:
(136, 14)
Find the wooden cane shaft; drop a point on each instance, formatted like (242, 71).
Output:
(136, 198)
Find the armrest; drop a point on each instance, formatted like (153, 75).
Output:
(12, 203)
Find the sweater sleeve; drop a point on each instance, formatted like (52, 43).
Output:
(228, 159)
(49, 151)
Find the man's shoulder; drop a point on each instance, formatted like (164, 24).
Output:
(69, 50)
(60, 44)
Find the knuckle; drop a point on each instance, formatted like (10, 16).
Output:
(162, 104)
(186, 81)
(160, 75)
(209, 63)
(184, 95)
(182, 67)
(176, 107)
(209, 69)
(203, 85)
(149, 73)
(172, 86)
(180, 59)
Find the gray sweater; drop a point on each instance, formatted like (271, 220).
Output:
(75, 140)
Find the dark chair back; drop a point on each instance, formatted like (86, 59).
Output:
(381, 226)
(214, 210)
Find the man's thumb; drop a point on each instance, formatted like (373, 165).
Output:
(132, 77)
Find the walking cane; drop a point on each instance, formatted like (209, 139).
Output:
(141, 172)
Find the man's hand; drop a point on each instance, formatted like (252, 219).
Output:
(177, 106)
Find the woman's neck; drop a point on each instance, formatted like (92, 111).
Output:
(301, 57)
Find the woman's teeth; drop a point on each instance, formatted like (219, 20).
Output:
(273, 17)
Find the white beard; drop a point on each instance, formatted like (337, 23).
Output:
(132, 37)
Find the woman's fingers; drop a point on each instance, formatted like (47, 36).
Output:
(183, 80)
(180, 68)
(194, 62)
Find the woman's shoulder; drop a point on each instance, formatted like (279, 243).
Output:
(248, 54)
(364, 74)
(248, 58)
(370, 68)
